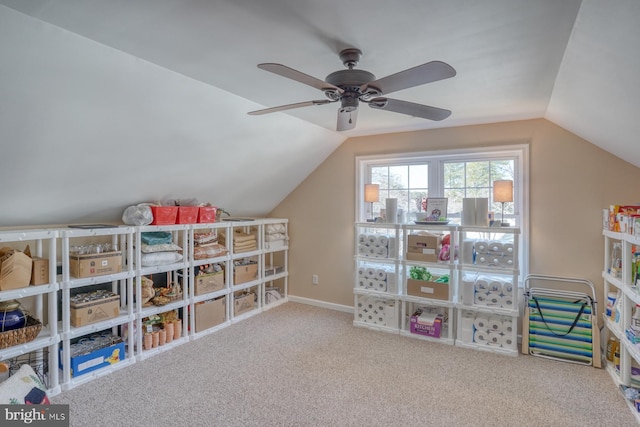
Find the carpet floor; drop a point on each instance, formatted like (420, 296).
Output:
(299, 365)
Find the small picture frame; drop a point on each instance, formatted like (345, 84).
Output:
(436, 208)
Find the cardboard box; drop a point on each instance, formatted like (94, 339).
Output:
(429, 325)
(245, 273)
(15, 269)
(39, 271)
(91, 265)
(428, 289)
(244, 304)
(210, 313)
(207, 283)
(423, 248)
(95, 311)
(97, 359)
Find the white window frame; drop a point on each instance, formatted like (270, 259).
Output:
(519, 152)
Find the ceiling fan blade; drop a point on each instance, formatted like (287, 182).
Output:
(346, 120)
(410, 108)
(416, 76)
(290, 73)
(289, 107)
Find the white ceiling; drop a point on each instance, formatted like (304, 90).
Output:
(176, 73)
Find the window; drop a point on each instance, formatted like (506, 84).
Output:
(454, 174)
(408, 183)
(475, 178)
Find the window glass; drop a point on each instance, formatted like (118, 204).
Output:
(475, 179)
(408, 183)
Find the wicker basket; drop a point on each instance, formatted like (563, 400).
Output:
(21, 335)
(166, 299)
(175, 297)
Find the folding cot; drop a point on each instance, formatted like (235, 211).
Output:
(561, 324)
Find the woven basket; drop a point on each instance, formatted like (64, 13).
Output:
(21, 335)
(166, 299)
(175, 297)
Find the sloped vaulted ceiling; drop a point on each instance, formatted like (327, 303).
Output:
(104, 104)
(597, 91)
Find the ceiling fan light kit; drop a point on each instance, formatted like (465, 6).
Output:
(352, 86)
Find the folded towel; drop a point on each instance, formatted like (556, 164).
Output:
(275, 228)
(245, 249)
(239, 236)
(245, 242)
(274, 236)
(275, 244)
(245, 246)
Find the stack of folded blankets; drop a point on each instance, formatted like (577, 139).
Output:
(275, 236)
(243, 242)
(206, 245)
(157, 248)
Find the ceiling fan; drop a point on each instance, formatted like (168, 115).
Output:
(352, 86)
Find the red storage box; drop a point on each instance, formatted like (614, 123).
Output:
(164, 215)
(187, 215)
(207, 214)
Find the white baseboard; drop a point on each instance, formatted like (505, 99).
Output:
(323, 304)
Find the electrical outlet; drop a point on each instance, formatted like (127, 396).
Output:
(314, 279)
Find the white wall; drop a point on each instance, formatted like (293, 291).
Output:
(86, 130)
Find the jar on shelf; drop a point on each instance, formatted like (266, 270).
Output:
(613, 346)
(616, 260)
(11, 316)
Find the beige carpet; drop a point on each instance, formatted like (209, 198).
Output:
(297, 365)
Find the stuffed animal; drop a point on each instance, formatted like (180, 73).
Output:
(444, 254)
(147, 291)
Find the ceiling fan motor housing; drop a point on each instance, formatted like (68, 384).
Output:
(350, 78)
(350, 82)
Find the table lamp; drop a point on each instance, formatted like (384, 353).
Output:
(503, 193)
(371, 195)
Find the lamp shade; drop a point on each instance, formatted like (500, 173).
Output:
(371, 193)
(503, 191)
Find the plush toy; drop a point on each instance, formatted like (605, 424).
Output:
(147, 291)
(444, 253)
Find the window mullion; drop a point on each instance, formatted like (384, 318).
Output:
(436, 179)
